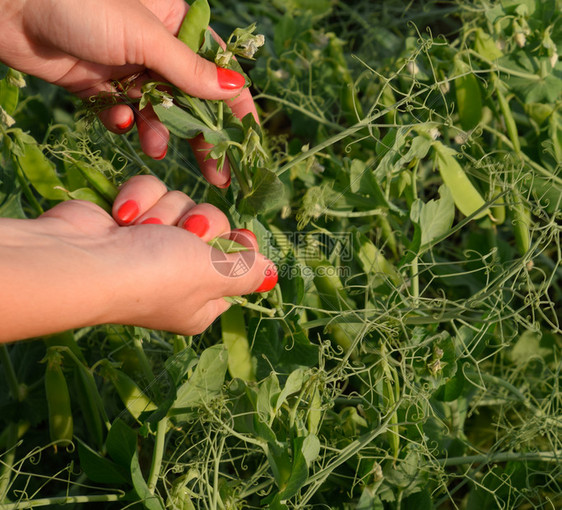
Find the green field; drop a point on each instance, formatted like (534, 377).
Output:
(407, 181)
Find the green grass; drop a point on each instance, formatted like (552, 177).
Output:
(431, 378)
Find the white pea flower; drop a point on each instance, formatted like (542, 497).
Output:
(167, 102)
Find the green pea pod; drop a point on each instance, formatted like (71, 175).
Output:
(58, 399)
(391, 394)
(91, 196)
(498, 209)
(509, 121)
(555, 132)
(469, 97)
(98, 181)
(334, 297)
(88, 400)
(466, 197)
(9, 96)
(350, 104)
(194, 25)
(235, 339)
(39, 170)
(134, 399)
(314, 412)
(521, 223)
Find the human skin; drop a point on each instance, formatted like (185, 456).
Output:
(84, 46)
(78, 266)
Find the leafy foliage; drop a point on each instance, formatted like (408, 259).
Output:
(408, 185)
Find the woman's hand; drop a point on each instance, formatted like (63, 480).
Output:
(149, 265)
(84, 46)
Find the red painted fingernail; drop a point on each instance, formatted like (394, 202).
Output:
(126, 125)
(226, 184)
(246, 232)
(197, 224)
(128, 211)
(269, 281)
(152, 221)
(163, 155)
(229, 79)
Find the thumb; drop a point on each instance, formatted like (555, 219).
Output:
(245, 272)
(173, 60)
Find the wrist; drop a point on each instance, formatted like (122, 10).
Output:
(53, 281)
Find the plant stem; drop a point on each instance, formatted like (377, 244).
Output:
(145, 365)
(158, 454)
(27, 191)
(10, 372)
(8, 460)
(239, 177)
(354, 214)
(63, 500)
(554, 456)
(238, 300)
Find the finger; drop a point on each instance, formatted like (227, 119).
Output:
(208, 314)
(172, 59)
(153, 135)
(209, 169)
(136, 197)
(205, 221)
(241, 273)
(243, 104)
(118, 119)
(168, 210)
(244, 237)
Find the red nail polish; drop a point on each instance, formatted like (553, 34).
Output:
(230, 80)
(269, 281)
(125, 125)
(246, 232)
(128, 211)
(152, 221)
(226, 184)
(163, 154)
(197, 224)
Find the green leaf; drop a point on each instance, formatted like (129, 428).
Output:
(547, 89)
(485, 45)
(528, 346)
(121, 443)
(267, 194)
(206, 381)
(149, 500)
(306, 450)
(435, 217)
(268, 394)
(180, 122)
(100, 469)
(178, 365)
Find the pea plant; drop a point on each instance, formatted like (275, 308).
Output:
(406, 179)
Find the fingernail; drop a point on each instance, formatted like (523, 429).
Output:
(229, 79)
(163, 155)
(226, 184)
(269, 281)
(247, 233)
(125, 125)
(152, 221)
(128, 211)
(197, 224)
